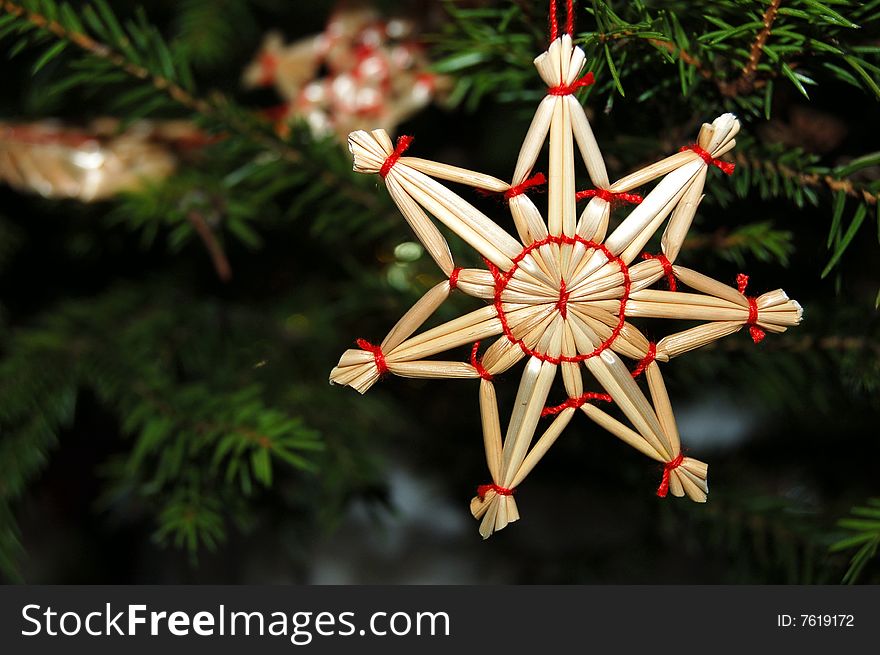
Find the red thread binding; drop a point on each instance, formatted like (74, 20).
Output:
(646, 360)
(403, 142)
(757, 334)
(562, 304)
(574, 403)
(569, 18)
(568, 89)
(724, 166)
(502, 279)
(483, 489)
(592, 395)
(667, 268)
(378, 355)
(477, 363)
(668, 468)
(609, 196)
(453, 278)
(535, 180)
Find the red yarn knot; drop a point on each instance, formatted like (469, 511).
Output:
(646, 360)
(483, 489)
(668, 468)
(757, 334)
(725, 166)
(609, 196)
(378, 355)
(478, 364)
(403, 142)
(568, 89)
(535, 180)
(667, 268)
(562, 303)
(453, 278)
(575, 403)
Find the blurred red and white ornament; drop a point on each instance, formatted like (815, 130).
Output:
(362, 70)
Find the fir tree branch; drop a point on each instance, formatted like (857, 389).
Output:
(102, 51)
(746, 81)
(218, 108)
(209, 239)
(804, 343)
(811, 178)
(682, 54)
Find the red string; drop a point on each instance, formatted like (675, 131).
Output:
(453, 278)
(535, 180)
(609, 196)
(562, 304)
(725, 166)
(667, 268)
(502, 279)
(403, 142)
(568, 89)
(574, 403)
(378, 355)
(646, 360)
(757, 334)
(592, 395)
(478, 363)
(554, 20)
(483, 489)
(668, 468)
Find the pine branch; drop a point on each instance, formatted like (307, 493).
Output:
(864, 524)
(102, 51)
(814, 179)
(145, 57)
(760, 240)
(747, 78)
(215, 250)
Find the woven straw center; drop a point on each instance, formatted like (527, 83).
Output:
(542, 275)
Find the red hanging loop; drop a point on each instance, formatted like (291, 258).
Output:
(554, 19)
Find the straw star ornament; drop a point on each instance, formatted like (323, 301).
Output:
(561, 295)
